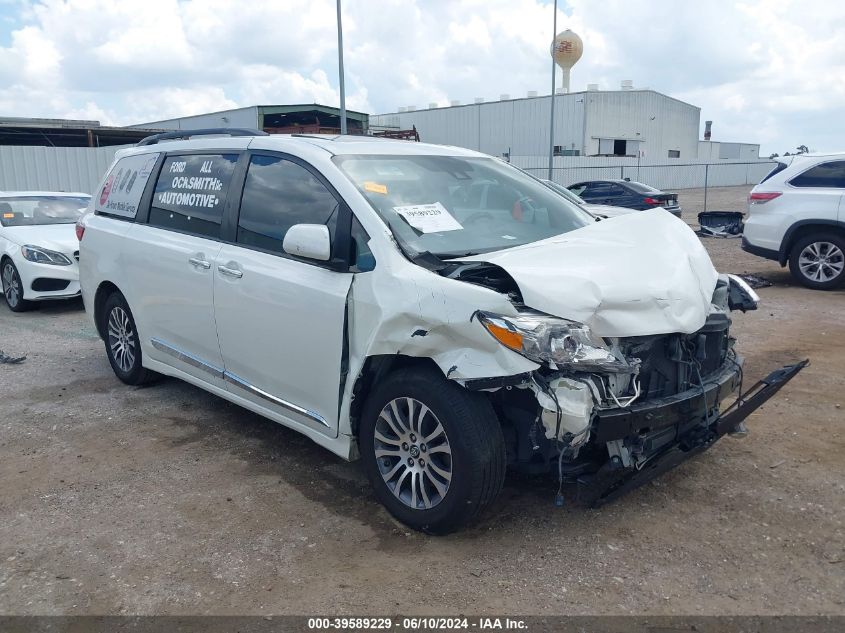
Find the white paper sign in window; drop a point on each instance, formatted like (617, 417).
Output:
(429, 218)
(121, 193)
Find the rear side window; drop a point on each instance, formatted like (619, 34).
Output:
(830, 174)
(279, 193)
(122, 190)
(778, 168)
(191, 192)
(641, 188)
(605, 189)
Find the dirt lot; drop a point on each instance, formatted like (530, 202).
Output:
(116, 500)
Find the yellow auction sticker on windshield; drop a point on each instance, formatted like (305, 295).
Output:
(375, 187)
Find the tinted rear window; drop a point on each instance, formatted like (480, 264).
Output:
(641, 188)
(831, 174)
(778, 168)
(191, 192)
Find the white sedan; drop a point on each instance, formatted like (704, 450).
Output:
(39, 251)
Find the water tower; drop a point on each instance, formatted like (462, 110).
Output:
(566, 50)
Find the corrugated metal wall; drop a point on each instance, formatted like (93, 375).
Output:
(24, 168)
(663, 174)
(81, 168)
(520, 126)
(659, 122)
(239, 117)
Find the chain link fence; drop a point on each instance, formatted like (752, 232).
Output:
(668, 177)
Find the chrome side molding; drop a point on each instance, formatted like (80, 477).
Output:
(243, 384)
(185, 357)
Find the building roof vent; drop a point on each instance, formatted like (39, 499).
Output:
(412, 108)
(403, 109)
(627, 84)
(532, 93)
(455, 102)
(479, 99)
(593, 87)
(432, 105)
(504, 97)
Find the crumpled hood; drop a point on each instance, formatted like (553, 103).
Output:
(644, 273)
(56, 237)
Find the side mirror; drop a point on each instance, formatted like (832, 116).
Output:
(311, 241)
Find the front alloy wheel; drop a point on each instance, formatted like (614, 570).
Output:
(13, 288)
(413, 453)
(433, 451)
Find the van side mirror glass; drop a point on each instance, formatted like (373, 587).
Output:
(311, 241)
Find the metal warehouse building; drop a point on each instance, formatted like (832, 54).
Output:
(275, 119)
(627, 122)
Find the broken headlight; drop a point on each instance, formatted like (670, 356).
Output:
(558, 343)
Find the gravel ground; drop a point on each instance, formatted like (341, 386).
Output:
(118, 500)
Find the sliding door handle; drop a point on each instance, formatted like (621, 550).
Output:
(230, 272)
(199, 262)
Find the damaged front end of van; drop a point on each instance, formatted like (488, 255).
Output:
(606, 352)
(610, 414)
(630, 329)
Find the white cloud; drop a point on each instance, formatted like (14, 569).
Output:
(763, 70)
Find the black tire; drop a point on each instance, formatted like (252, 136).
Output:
(818, 247)
(13, 287)
(473, 439)
(123, 346)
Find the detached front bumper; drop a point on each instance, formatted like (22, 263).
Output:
(666, 432)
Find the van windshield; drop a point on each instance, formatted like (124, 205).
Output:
(455, 206)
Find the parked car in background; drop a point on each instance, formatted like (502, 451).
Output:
(433, 311)
(38, 246)
(796, 215)
(602, 211)
(626, 193)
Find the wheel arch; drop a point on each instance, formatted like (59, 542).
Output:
(375, 368)
(104, 291)
(805, 227)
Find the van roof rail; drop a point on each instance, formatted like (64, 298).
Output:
(184, 134)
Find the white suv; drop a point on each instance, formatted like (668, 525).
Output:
(362, 292)
(797, 215)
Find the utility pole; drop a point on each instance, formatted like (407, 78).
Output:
(552, 121)
(340, 71)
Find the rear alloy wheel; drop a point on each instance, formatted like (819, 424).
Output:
(123, 347)
(13, 287)
(818, 261)
(433, 451)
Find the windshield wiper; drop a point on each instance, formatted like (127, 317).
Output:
(457, 255)
(427, 260)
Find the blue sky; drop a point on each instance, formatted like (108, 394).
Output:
(766, 71)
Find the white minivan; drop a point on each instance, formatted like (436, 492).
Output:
(430, 310)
